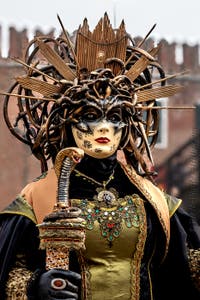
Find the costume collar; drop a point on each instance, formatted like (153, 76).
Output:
(154, 196)
(99, 169)
(20, 207)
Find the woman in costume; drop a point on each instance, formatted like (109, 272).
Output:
(98, 95)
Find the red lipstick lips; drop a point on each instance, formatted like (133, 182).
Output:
(102, 140)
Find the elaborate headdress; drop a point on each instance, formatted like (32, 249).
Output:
(102, 68)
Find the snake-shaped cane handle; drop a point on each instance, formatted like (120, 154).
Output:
(63, 229)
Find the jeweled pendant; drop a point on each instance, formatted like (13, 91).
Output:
(107, 197)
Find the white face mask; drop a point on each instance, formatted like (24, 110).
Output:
(102, 137)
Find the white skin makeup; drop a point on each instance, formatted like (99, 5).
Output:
(103, 136)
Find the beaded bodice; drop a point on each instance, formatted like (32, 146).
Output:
(115, 234)
(111, 219)
(115, 238)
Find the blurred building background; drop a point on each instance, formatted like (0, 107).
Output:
(176, 154)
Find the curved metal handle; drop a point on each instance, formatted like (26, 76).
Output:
(65, 162)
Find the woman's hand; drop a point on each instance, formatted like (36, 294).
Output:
(57, 284)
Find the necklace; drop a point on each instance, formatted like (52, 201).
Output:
(103, 184)
(108, 196)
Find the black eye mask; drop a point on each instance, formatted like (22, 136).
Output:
(92, 115)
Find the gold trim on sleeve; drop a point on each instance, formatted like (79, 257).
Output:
(17, 283)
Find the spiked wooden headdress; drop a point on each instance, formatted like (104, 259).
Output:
(61, 77)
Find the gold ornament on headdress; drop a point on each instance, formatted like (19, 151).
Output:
(62, 77)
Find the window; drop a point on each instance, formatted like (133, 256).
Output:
(162, 140)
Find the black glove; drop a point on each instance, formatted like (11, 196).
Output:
(55, 284)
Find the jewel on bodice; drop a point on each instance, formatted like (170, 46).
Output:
(111, 213)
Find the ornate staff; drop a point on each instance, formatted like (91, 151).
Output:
(63, 230)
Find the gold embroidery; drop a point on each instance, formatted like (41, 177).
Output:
(137, 256)
(16, 284)
(194, 263)
(85, 274)
(158, 200)
(110, 216)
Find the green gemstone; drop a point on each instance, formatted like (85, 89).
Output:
(116, 233)
(110, 238)
(128, 224)
(104, 233)
(90, 226)
(136, 224)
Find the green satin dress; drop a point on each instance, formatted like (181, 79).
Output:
(115, 239)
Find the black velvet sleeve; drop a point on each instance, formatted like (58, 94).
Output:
(18, 234)
(174, 279)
